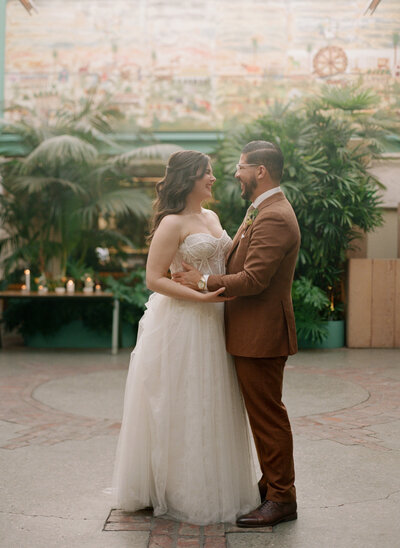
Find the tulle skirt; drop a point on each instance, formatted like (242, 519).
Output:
(185, 447)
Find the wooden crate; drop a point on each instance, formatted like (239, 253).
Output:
(373, 312)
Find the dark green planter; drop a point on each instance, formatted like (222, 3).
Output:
(334, 339)
(76, 335)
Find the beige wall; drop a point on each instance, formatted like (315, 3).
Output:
(382, 243)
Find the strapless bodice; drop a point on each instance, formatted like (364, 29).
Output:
(203, 251)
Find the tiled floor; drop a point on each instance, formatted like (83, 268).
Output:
(171, 534)
(59, 419)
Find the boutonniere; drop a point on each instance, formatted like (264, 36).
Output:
(251, 216)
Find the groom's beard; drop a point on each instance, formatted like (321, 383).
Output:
(248, 188)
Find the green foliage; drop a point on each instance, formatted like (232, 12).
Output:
(326, 142)
(350, 98)
(132, 292)
(55, 196)
(309, 303)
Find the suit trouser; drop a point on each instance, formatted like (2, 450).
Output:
(261, 383)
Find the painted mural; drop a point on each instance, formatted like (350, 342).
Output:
(199, 63)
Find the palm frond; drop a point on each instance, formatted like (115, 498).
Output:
(349, 98)
(57, 151)
(118, 202)
(159, 152)
(33, 184)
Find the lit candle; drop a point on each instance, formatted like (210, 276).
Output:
(98, 288)
(42, 289)
(27, 273)
(88, 285)
(70, 286)
(23, 289)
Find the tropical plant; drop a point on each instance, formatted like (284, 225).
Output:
(309, 303)
(55, 196)
(327, 143)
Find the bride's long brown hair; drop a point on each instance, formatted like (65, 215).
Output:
(183, 169)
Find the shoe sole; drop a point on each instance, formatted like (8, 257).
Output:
(290, 517)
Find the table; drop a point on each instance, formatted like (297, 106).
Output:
(77, 295)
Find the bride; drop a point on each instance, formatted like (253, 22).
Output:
(184, 446)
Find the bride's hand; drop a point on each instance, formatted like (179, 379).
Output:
(215, 296)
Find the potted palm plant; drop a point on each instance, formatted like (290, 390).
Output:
(66, 191)
(326, 142)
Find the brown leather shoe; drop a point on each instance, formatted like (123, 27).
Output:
(269, 513)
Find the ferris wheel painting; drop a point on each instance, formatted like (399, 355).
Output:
(330, 61)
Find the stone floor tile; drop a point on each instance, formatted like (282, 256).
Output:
(214, 530)
(189, 542)
(126, 526)
(215, 542)
(188, 529)
(232, 528)
(164, 526)
(161, 541)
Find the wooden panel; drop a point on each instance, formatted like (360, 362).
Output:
(398, 231)
(359, 303)
(397, 307)
(383, 303)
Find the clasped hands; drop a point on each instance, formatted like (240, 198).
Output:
(190, 277)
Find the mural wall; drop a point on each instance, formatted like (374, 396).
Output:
(196, 64)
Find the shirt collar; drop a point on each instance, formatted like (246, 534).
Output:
(266, 195)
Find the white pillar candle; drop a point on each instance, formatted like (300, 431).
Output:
(27, 273)
(70, 286)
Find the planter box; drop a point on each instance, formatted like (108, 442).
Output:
(77, 335)
(334, 339)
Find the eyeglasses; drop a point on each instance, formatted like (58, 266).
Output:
(242, 166)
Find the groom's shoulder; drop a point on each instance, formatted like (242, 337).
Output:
(278, 207)
(279, 213)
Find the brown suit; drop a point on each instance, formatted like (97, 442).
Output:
(261, 332)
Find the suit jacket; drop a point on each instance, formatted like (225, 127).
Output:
(260, 322)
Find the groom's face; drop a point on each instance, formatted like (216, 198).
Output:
(246, 175)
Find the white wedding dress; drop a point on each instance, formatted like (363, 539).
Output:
(184, 446)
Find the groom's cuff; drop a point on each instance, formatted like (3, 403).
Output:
(205, 276)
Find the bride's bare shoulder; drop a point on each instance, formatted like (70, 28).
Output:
(171, 222)
(171, 226)
(213, 217)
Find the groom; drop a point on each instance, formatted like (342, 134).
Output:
(260, 326)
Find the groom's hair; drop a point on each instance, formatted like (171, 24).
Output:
(266, 154)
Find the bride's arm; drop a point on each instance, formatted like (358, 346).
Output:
(163, 248)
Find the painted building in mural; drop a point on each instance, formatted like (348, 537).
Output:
(199, 63)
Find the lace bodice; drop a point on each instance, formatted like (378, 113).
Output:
(203, 251)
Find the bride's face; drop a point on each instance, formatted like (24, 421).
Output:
(202, 187)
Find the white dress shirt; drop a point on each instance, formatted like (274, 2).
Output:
(265, 195)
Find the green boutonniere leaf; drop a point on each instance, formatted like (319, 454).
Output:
(251, 216)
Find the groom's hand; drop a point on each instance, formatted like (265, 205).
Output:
(188, 277)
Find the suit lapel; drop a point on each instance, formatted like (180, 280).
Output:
(236, 240)
(242, 228)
